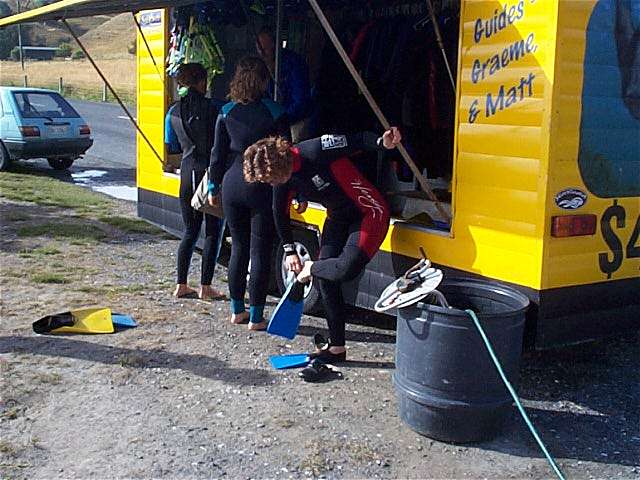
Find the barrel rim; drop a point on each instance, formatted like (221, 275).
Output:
(480, 285)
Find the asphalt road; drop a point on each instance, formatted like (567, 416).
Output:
(113, 134)
(109, 166)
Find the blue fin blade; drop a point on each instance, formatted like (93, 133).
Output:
(123, 321)
(289, 361)
(287, 315)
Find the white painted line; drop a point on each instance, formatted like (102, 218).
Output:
(124, 117)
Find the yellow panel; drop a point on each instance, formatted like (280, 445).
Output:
(506, 81)
(613, 252)
(152, 105)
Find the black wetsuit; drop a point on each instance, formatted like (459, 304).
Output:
(191, 119)
(357, 215)
(247, 206)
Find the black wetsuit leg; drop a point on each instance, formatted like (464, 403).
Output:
(340, 260)
(247, 208)
(190, 178)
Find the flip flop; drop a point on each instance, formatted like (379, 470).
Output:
(317, 372)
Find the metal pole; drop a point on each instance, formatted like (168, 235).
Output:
(436, 29)
(113, 92)
(144, 39)
(278, 40)
(374, 106)
(60, 86)
(20, 39)
(104, 91)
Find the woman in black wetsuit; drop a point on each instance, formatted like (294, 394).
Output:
(189, 129)
(357, 214)
(247, 207)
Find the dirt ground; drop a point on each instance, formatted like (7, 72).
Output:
(187, 395)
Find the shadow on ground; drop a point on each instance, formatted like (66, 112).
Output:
(200, 365)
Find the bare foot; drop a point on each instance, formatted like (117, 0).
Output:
(305, 274)
(183, 290)
(207, 292)
(258, 327)
(239, 318)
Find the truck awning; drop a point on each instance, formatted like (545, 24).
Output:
(86, 8)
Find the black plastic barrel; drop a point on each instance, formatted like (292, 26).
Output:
(448, 388)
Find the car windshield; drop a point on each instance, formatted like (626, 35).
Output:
(43, 105)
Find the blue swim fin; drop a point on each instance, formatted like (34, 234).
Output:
(287, 315)
(289, 361)
(122, 321)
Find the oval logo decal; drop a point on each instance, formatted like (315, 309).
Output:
(571, 199)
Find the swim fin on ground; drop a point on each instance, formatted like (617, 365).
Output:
(289, 361)
(121, 321)
(84, 320)
(287, 315)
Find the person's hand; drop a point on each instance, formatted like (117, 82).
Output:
(213, 200)
(299, 207)
(293, 263)
(391, 138)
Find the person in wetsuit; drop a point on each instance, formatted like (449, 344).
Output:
(247, 207)
(357, 214)
(189, 126)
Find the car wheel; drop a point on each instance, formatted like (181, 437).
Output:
(307, 246)
(5, 159)
(60, 163)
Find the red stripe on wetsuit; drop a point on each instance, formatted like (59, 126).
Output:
(374, 209)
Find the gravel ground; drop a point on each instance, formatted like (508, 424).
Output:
(187, 395)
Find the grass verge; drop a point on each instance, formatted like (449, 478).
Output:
(131, 225)
(27, 186)
(76, 231)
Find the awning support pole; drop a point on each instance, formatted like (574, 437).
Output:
(436, 29)
(113, 92)
(144, 39)
(374, 106)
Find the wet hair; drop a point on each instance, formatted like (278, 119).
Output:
(250, 80)
(267, 159)
(191, 74)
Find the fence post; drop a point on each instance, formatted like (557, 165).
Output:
(60, 86)
(25, 81)
(104, 92)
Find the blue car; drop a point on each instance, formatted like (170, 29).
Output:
(37, 123)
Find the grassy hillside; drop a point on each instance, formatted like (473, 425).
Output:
(112, 38)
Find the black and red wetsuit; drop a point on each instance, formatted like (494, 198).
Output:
(357, 214)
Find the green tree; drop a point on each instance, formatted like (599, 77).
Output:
(15, 53)
(77, 55)
(9, 35)
(64, 50)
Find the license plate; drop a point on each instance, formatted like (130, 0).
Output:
(58, 129)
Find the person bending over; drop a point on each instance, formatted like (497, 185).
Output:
(357, 215)
(247, 207)
(189, 128)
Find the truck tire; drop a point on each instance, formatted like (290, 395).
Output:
(5, 159)
(307, 246)
(60, 163)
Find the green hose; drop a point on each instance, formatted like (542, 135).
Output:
(515, 396)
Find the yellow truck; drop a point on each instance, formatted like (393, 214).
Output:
(545, 184)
